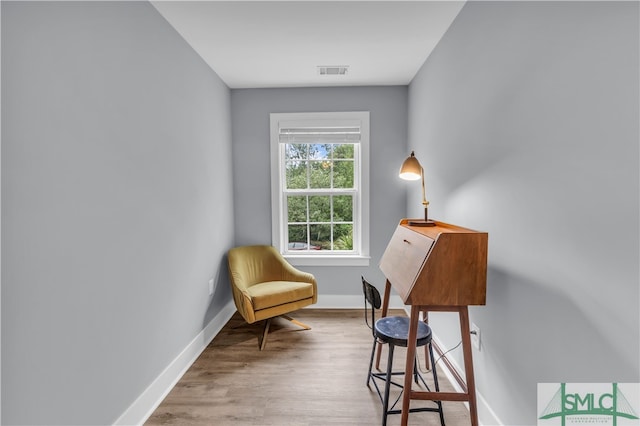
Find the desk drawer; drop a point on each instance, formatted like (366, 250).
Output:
(403, 259)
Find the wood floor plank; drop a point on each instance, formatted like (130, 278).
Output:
(311, 377)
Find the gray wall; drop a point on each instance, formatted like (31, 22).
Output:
(526, 120)
(250, 109)
(116, 205)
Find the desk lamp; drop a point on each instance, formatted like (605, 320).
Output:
(412, 170)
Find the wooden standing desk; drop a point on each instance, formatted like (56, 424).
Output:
(437, 268)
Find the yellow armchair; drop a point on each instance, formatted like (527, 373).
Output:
(265, 286)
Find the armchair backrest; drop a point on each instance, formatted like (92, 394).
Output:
(250, 265)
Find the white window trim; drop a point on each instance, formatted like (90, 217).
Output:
(277, 202)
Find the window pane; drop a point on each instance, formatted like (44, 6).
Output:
(343, 237)
(343, 151)
(296, 174)
(297, 208)
(320, 174)
(342, 208)
(320, 236)
(297, 236)
(319, 151)
(319, 208)
(297, 151)
(343, 174)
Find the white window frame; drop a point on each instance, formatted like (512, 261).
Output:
(360, 255)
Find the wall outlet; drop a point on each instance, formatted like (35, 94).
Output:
(211, 286)
(475, 336)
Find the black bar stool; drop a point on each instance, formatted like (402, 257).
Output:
(394, 331)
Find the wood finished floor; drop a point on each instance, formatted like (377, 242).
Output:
(315, 377)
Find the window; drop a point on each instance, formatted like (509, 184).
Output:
(319, 187)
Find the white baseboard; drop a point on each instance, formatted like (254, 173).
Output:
(338, 301)
(486, 416)
(150, 399)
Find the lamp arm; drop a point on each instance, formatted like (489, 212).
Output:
(424, 198)
(425, 203)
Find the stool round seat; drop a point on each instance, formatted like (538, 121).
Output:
(395, 330)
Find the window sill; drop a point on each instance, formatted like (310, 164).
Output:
(316, 260)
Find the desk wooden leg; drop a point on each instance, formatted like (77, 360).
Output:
(468, 364)
(408, 368)
(427, 360)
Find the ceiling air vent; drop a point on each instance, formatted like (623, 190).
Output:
(333, 70)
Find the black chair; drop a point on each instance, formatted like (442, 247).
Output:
(394, 331)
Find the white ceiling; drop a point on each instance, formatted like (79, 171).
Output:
(253, 44)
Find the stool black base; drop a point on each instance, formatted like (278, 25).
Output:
(387, 378)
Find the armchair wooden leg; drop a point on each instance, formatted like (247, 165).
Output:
(296, 322)
(263, 342)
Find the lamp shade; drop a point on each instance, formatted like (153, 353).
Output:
(411, 168)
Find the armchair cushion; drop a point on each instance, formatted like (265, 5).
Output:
(274, 293)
